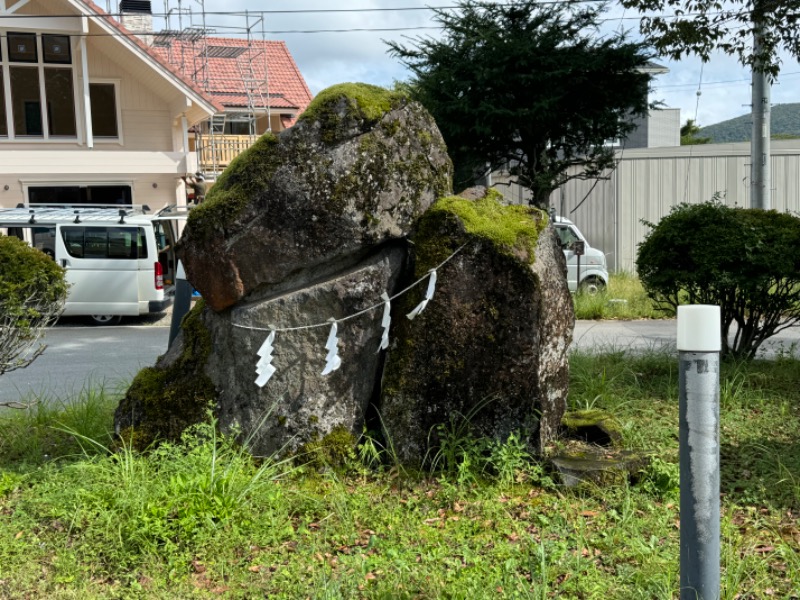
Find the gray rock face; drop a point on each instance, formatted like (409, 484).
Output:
(317, 199)
(299, 404)
(489, 353)
(555, 326)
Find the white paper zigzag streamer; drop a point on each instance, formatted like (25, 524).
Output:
(387, 320)
(332, 360)
(428, 295)
(264, 367)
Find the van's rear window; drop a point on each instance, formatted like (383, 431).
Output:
(105, 242)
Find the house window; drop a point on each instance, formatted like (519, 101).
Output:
(42, 99)
(55, 49)
(22, 47)
(103, 97)
(115, 195)
(25, 101)
(60, 107)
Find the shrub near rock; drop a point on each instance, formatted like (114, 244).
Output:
(32, 295)
(746, 261)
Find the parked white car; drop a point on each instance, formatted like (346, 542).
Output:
(119, 261)
(586, 266)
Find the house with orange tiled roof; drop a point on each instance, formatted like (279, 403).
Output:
(101, 110)
(88, 113)
(256, 81)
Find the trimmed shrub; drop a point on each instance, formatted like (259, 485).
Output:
(32, 296)
(746, 261)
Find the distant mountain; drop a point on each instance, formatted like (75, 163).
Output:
(785, 122)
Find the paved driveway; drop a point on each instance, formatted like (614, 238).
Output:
(658, 334)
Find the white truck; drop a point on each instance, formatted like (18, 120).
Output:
(119, 261)
(586, 266)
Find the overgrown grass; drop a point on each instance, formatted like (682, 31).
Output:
(203, 519)
(624, 298)
(32, 436)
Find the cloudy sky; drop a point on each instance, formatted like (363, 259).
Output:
(334, 47)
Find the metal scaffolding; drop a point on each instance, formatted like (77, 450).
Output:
(187, 40)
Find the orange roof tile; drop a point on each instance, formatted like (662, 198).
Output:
(221, 66)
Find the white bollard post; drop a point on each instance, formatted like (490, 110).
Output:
(699, 346)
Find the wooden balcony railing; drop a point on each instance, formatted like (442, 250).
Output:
(215, 152)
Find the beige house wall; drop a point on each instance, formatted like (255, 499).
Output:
(154, 113)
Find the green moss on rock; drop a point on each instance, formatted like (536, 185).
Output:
(593, 425)
(364, 106)
(248, 173)
(172, 398)
(334, 450)
(513, 230)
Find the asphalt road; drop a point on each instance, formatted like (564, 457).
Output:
(660, 334)
(78, 355)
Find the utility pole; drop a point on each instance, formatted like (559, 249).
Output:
(760, 179)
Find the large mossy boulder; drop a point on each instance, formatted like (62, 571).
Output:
(489, 353)
(303, 227)
(356, 171)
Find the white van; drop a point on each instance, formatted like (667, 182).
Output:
(118, 261)
(586, 266)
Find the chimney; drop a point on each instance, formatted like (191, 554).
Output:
(137, 17)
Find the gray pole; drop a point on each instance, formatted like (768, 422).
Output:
(699, 345)
(760, 177)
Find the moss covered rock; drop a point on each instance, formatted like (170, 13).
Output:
(299, 405)
(165, 399)
(597, 466)
(593, 426)
(356, 171)
(491, 347)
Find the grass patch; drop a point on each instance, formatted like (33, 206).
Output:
(45, 430)
(624, 298)
(201, 518)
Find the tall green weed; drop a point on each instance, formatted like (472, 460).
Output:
(624, 298)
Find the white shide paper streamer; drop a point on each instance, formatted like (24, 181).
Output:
(428, 295)
(332, 360)
(264, 367)
(387, 320)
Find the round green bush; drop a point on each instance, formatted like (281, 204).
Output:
(32, 295)
(746, 261)
(27, 273)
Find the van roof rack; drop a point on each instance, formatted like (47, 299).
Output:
(74, 213)
(131, 208)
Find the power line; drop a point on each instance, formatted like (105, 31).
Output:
(724, 82)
